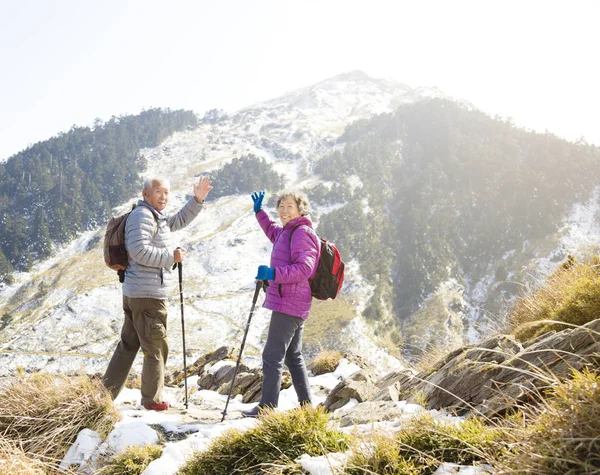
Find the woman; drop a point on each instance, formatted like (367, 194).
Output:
(294, 260)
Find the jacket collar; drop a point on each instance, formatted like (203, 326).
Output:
(156, 213)
(299, 221)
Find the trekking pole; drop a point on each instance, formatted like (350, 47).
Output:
(180, 268)
(259, 284)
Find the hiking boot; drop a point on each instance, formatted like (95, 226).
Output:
(157, 406)
(252, 412)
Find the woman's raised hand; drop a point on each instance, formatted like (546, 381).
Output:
(257, 197)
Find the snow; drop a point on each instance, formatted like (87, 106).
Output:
(135, 427)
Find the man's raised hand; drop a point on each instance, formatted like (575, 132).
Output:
(202, 188)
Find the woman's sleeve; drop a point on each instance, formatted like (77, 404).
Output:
(270, 227)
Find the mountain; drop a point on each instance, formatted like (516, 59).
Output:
(434, 205)
(452, 213)
(65, 313)
(55, 189)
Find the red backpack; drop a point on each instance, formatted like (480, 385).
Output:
(328, 280)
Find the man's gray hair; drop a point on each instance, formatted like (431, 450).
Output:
(149, 182)
(301, 200)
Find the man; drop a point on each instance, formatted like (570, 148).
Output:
(148, 282)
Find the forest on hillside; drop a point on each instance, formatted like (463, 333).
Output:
(445, 190)
(55, 189)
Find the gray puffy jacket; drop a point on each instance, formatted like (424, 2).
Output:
(148, 243)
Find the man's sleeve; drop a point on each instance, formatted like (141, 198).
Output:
(185, 215)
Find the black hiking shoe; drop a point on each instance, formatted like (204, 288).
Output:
(254, 412)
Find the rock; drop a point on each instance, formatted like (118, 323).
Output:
(225, 373)
(390, 393)
(496, 375)
(401, 377)
(198, 367)
(371, 411)
(242, 382)
(366, 367)
(206, 381)
(253, 392)
(356, 387)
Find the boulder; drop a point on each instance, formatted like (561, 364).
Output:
(494, 376)
(371, 411)
(356, 387)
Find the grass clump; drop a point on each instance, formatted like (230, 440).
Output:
(563, 434)
(570, 295)
(425, 444)
(326, 362)
(133, 461)
(271, 446)
(14, 460)
(43, 414)
(379, 455)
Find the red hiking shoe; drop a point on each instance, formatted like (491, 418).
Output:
(157, 406)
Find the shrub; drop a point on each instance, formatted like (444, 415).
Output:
(563, 435)
(570, 295)
(426, 443)
(271, 446)
(326, 362)
(133, 461)
(43, 413)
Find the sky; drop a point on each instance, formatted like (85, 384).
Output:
(68, 62)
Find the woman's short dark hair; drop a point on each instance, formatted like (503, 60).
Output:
(301, 200)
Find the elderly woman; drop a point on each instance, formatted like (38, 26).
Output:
(294, 260)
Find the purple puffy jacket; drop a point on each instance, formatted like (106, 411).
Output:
(294, 264)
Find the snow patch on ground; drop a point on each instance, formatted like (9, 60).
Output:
(135, 427)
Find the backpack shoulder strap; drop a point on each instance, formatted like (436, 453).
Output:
(154, 219)
(299, 226)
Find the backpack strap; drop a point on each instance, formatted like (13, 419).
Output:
(319, 251)
(294, 230)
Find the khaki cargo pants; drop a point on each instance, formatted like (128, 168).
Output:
(145, 326)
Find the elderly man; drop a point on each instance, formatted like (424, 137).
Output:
(148, 282)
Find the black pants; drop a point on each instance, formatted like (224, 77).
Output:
(284, 345)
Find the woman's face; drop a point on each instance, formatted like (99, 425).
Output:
(288, 210)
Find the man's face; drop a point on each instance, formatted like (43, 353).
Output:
(157, 196)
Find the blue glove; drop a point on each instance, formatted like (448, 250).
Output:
(257, 197)
(265, 273)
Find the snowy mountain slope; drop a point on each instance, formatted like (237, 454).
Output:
(65, 314)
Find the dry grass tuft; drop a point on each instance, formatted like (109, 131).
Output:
(43, 413)
(326, 362)
(570, 295)
(271, 446)
(562, 435)
(133, 461)
(424, 444)
(14, 460)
